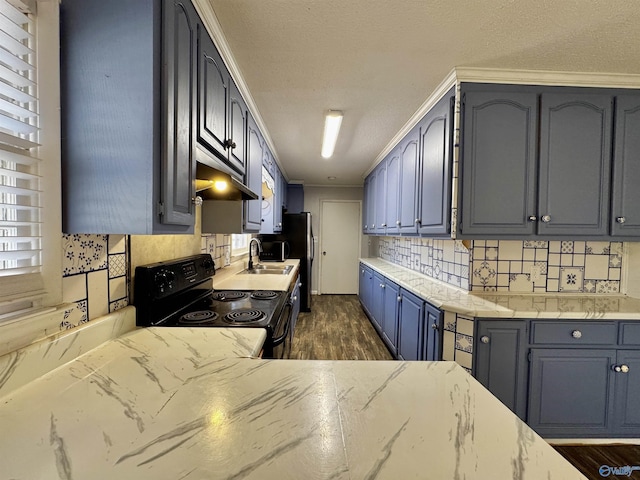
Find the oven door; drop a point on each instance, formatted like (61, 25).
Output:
(282, 336)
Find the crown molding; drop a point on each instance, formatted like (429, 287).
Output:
(211, 23)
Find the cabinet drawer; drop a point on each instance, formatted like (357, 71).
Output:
(574, 333)
(630, 333)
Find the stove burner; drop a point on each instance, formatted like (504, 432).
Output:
(229, 296)
(244, 315)
(264, 295)
(198, 318)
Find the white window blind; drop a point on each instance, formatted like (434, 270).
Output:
(20, 191)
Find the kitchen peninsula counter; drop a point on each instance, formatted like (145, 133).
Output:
(161, 403)
(508, 305)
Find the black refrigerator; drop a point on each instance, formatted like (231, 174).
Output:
(297, 232)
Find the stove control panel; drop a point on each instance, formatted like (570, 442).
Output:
(163, 279)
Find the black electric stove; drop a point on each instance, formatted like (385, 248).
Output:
(179, 293)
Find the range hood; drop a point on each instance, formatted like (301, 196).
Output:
(213, 184)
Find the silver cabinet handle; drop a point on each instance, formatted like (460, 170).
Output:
(295, 298)
(532, 218)
(373, 225)
(546, 218)
(576, 334)
(417, 221)
(621, 219)
(382, 285)
(398, 222)
(300, 284)
(383, 225)
(399, 298)
(362, 271)
(484, 339)
(434, 326)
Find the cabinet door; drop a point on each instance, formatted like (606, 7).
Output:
(411, 327)
(213, 96)
(408, 196)
(391, 196)
(625, 216)
(237, 129)
(381, 199)
(377, 300)
(498, 162)
(575, 163)
(370, 188)
(253, 208)
(278, 202)
(435, 170)
(500, 362)
(627, 393)
(362, 286)
(569, 391)
(390, 317)
(432, 333)
(178, 167)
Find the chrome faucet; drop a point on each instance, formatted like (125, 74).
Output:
(250, 264)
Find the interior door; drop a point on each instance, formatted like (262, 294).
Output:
(339, 246)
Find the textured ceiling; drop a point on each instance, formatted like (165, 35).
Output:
(378, 61)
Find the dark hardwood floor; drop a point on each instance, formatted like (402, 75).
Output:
(338, 329)
(589, 459)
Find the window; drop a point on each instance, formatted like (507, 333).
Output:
(30, 209)
(239, 244)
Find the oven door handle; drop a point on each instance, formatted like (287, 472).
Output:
(277, 341)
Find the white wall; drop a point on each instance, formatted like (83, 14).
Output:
(312, 198)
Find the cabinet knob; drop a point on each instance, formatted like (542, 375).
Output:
(300, 284)
(373, 225)
(382, 285)
(398, 222)
(399, 298)
(362, 271)
(434, 326)
(197, 201)
(229, 143)
(621, 219)
(364, 228)
(383, 225)
(484, 339)
(546, 218)
(417, 220)
(532, 218)
(620, 368)
(576, 334)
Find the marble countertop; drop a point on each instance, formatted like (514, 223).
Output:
(496, 305)
(162, 403)
(230, 278)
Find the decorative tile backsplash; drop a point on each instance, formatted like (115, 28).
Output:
(445, 260)
(512, 266)
(95, 276)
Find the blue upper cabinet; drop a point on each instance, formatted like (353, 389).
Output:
(392, 223)
(625, 215)
(575, 163)
(498, 161)
(409, 192)
(408, 197)
(213, 96)
(255, 151)
(238, 113)
(380, 219)
(434, 159)
(130, 173)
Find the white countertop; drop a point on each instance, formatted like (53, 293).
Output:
(496, 305)
(230, 277)
(162, 403)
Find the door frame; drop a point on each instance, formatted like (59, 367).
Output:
(321, 242)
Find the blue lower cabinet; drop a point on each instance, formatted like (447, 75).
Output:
(377, 301)
(390, 317)
(571, 392)
(411, 326)
(627, 392)
(365, 288)
(433, 328)
(501, 361)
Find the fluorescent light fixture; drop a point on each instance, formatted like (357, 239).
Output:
(332, 123)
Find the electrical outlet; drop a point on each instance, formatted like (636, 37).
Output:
(536, 275)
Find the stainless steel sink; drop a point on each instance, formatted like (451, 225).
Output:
(261, 269)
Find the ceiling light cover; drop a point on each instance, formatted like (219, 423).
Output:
(332, 123)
